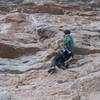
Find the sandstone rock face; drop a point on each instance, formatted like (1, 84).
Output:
(17, 36)
(30, 36)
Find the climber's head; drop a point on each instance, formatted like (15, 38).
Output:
(67, 31)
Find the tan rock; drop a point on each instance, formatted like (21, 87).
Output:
(30, 39)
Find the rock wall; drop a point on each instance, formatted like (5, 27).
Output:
(31, 33)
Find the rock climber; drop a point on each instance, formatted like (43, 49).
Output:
(64, 54)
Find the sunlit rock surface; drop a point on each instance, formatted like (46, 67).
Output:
(31, 33)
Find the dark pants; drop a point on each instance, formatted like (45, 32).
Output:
(60, 58)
